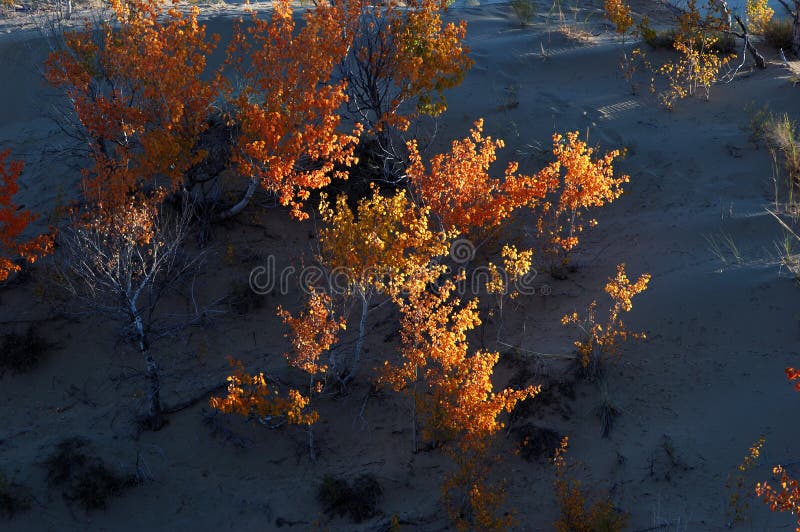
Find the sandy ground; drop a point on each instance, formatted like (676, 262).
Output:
(705, 385)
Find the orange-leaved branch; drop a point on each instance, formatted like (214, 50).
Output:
(601, 340)
(13, 222)
(287, 111)
(139, 88)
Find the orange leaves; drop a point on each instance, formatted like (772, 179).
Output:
(14, 221)
(251, 395)
(619, 13)
(312, 333)
(459, 399)
(287, 110)
(794, 375)
(460, 191)
(388, 246)
(583, 181)
(787, 497)
(784, 499)
(603, 339)
(138, 91)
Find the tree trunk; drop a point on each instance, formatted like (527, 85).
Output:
(796, 34)
(239, 207)
(154, 412)
(362, 331)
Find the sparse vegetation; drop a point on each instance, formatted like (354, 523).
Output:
(21, 352)
(83, 477)
(358, 499)
(14, 497)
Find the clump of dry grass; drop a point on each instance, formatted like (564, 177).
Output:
(778, 34)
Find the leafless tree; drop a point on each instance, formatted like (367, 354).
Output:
(121, 265)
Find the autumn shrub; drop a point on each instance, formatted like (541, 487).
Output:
(288, 142)
(602, 340)
(357, 499)
(619, 13)
(786, 496)
(576, 513)
(778, 34)
(14, 497)
(583, 180)
(739, 491)
(83, 477)
(14, 221)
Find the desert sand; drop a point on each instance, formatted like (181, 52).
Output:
(693, 397)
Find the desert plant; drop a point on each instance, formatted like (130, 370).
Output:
(21, 352)
(357, 499)
(524, 10)
(14, 497)
(778, 34)
(403, 55)
(602, 340)
(120, 264)
(574, 515)
(785, 498)
(384, 247)
(83, 476)
(738, 489)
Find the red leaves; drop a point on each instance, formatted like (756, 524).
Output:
(14, 221)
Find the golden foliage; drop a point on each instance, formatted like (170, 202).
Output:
(602, 340)
(619, 13)
(387, 245)
(759, 14)
(454, 395)
(574, 516)
(14, 221)
(251, 395)
(700, 60)
(312, 333)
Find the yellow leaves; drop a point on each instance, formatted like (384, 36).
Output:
(603, 339)
(251, 395)
(759, 15)
(387, 247)
(581, 180)
(619, 13)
